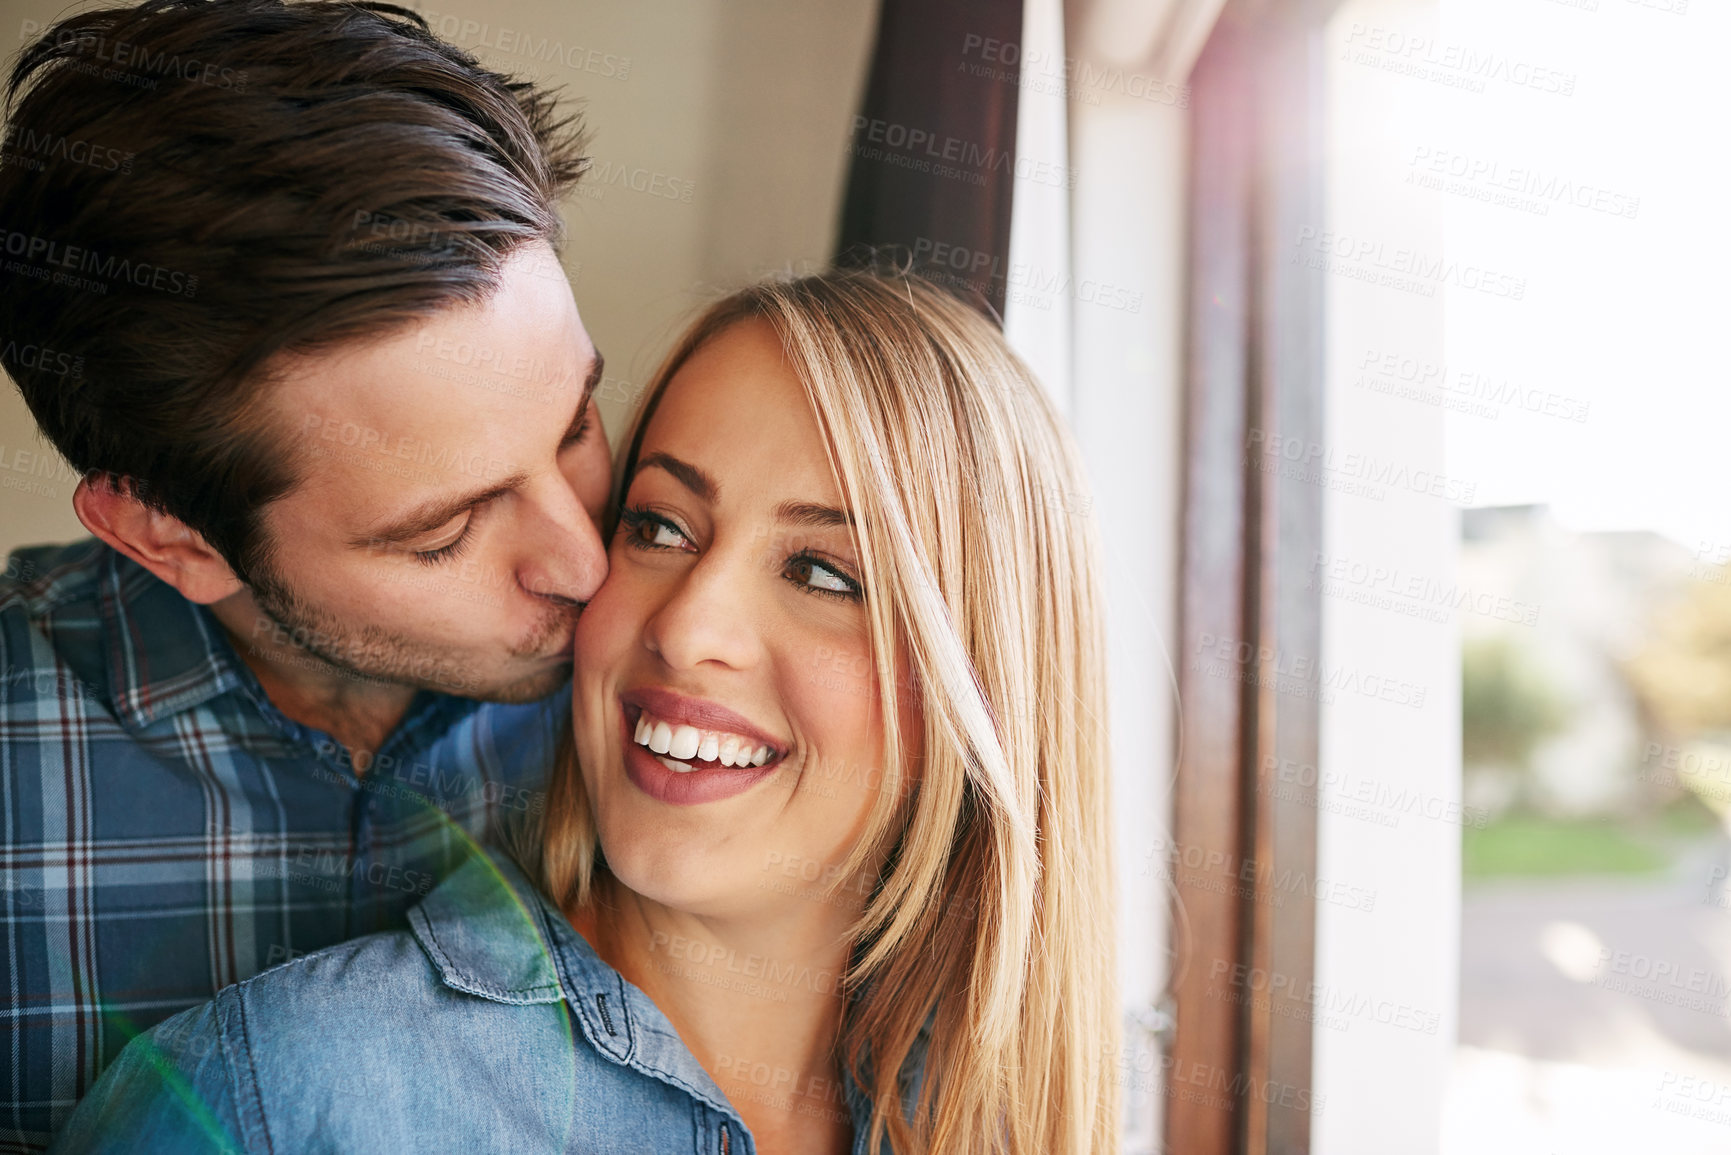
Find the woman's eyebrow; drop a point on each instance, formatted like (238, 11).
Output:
(805, 514)
(687, 474)
(812, 516)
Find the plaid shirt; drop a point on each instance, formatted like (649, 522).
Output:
(165, 831)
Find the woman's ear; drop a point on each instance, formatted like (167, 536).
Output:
(160, 542)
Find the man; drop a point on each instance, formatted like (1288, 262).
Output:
(279, 280)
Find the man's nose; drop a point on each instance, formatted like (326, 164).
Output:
(562, 553)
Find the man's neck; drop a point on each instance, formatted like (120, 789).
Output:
(358, 712)
(747, 997)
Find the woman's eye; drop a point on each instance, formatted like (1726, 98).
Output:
(648, 531)
(818, 577)
(660, 533)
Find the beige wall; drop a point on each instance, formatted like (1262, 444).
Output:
(743, 105)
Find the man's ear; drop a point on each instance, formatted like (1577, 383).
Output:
(164, 545)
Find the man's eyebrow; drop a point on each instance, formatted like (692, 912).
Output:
(431, 514)
(589, 383)
(812, 516)
(684, 472)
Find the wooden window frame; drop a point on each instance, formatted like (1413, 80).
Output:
(1250, 621)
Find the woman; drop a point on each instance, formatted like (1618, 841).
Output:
(828, 871)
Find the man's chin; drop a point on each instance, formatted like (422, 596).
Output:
(377, 655)
(530, 688)
(519, 682)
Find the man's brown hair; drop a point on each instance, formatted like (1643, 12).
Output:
(189, 189)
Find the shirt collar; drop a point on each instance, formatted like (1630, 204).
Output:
(490, 932)
(165, 653)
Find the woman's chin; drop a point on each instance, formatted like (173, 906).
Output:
(672, 877)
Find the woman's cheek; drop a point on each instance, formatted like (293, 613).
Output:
(835, 699)
(604, 628)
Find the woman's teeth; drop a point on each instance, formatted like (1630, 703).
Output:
(680, 743)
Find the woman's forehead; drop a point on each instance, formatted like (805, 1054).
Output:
(736, 411)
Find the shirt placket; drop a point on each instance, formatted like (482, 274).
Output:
(363, 826)
(400, 788)
(386, 796)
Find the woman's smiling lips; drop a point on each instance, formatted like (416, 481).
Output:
(684, 750)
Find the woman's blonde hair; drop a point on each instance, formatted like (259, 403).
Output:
(993, 916)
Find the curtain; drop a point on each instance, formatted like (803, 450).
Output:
(932, 149)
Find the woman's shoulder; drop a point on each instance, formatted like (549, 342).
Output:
(362, 1038)
(201, 1080)
(475, 946)
(362, 982)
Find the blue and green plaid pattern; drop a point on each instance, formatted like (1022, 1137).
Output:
(165, 831)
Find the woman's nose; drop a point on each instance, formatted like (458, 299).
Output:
(709, 616)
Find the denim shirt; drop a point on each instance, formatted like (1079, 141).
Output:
(491, 1025)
